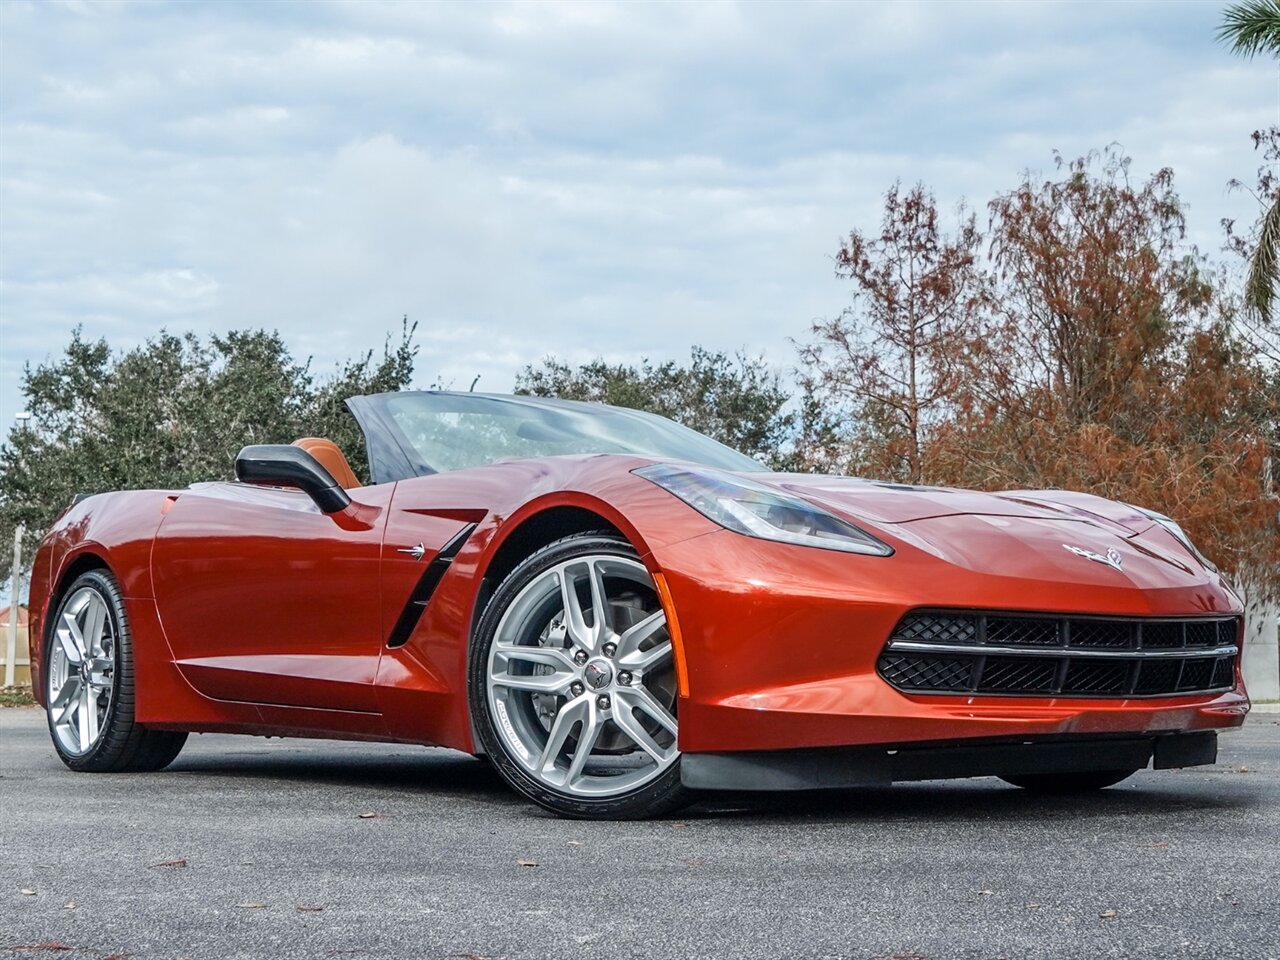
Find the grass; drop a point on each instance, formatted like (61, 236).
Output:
(16, 697)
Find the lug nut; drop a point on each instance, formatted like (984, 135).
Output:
(610, 649)
(624, 678)
(580, 657)
(576, 689)
(603, 703)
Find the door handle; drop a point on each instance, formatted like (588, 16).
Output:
(416, 552)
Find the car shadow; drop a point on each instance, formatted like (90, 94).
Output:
(972, 800)
(431, 771)
(425, 772)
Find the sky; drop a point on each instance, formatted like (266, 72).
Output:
(529, 179)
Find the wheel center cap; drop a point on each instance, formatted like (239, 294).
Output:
(598, 674)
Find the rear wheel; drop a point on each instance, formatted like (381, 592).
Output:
(89, 685)
(573, 683)
(1060, 783)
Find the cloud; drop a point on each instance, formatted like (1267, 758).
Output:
(523, 179)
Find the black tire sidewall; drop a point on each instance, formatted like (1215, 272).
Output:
(652, 799)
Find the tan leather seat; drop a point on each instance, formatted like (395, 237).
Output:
(330, 457)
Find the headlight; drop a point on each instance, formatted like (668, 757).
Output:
(752, 509)
(1177, 533)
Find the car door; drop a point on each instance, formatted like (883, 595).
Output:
(264, 599)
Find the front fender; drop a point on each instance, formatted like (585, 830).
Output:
(114, 530)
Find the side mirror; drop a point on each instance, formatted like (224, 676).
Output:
(282, 465)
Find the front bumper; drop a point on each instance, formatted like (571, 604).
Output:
(780, 643)
(841, 767)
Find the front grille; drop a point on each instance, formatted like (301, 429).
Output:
(1045, 655)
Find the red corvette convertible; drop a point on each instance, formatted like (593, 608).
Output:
(619, 612)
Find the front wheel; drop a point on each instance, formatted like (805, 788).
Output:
(573, 683)
(89, 684)
(1062, 783)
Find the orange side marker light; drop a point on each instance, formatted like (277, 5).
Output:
(673, 628)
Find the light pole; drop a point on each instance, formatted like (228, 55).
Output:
(15, 586)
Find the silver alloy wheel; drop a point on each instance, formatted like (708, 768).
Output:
(81, 672)
(580, 679)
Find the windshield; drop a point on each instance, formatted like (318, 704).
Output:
(415, 433)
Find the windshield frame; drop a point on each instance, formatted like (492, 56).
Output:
(393, 456)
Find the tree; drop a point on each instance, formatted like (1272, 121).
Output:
(883, 372)
(1094, 350)
(1095, 285)
(1251, 28)
(326, 413)
(738, 400)
(168, 413)
(1260, 248)
(1113, 366)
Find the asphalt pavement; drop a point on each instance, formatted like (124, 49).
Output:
(290, 848)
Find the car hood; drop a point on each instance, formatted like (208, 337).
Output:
(1051, 535)
(900, 503)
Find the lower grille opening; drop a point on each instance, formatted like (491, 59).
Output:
(1046, 655)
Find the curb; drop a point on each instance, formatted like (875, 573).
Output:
(1272, 707)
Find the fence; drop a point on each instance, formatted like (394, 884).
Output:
(1261, 647)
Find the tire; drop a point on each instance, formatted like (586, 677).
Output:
(1067, 783)
(91, 708)
(543, 680)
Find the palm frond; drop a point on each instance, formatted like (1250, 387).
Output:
(1264, 273)
(1252, 27)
